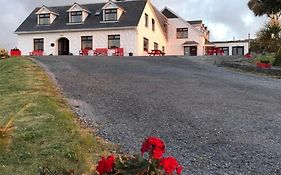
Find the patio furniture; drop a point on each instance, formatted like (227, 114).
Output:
(36, 53)
(101, 52)
(84, 52)
(215, 51)
(156, 52)
(119, 52)
(15, 53)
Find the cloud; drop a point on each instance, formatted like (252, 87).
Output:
(225, 18)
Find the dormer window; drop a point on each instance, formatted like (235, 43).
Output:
(44, 19)
(77, 14)
(75, 17)
(45, 16)
(111, 12)
(110, 15)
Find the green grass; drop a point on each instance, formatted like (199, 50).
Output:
(46, 134)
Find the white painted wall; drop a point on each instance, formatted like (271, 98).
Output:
(153, 36)
(128, 40)
(234, 44)
(175, 46)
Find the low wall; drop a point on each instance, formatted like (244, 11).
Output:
(251, 68)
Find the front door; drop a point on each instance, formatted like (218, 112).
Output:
(63, 46)
(190, 50)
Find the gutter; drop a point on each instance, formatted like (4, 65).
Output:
(75, 30)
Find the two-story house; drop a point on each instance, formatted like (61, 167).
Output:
(135, 25)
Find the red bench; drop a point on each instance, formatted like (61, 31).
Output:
(36, 53)
(119, 52)
(101, 52)
(84, 52)
(156, 52)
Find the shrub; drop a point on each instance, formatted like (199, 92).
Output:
(277, 61)
(3, 53)
(151, 161)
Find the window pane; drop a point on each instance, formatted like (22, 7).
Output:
(145, 44)
(76, 17)
(87, 42)
(44, 19)
(182, 33)
(39, 44)
(146, 20)
(155, 46)
(113, 41)
(110, 15)
(153, 24)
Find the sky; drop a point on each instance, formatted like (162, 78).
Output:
(226, 19)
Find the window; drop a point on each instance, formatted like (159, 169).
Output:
(113, 41)
(75, 17)
(163, 49)
(146, 20)
(155, 46)
(238, 50)
(225, 50)
(165, 28)
(44, 19)
(87, 42)
(145, 44)
(38, 44)
(153, 25)
(182, 33)
(110, 15)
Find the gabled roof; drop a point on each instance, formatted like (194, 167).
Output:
(161, 19)
(48, 9)
(130, 18)
(194, 22)
(168, 13)
(111, 5)
(82, 8)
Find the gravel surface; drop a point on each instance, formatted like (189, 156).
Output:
(213, 120)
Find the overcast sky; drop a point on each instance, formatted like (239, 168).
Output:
(226, 19)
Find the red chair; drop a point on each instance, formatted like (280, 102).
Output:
(101, 52)
(119, 52)
(84, 52)
(36, 53)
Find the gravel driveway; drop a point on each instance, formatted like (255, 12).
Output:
(213, 120)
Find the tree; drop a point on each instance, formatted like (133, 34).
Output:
(269, 37)
(271, 8)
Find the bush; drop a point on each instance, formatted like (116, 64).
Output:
(277, 61)
(4, 53)
(151, 161)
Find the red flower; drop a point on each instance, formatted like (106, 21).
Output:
(170, 165)
(154, 146)
(106, 165)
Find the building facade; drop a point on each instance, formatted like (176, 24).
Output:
(136, 26)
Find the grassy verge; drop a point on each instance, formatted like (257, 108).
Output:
(38, 128)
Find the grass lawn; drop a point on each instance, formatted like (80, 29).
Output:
(37, 127)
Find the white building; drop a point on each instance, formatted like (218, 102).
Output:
(136, 25)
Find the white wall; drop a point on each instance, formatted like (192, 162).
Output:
(153, 36)
(128, 40)
(234, 44)
(175, 46)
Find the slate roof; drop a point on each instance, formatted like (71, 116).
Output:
(130, 18)
(190, 43)
(194, 22)
(166, 12)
